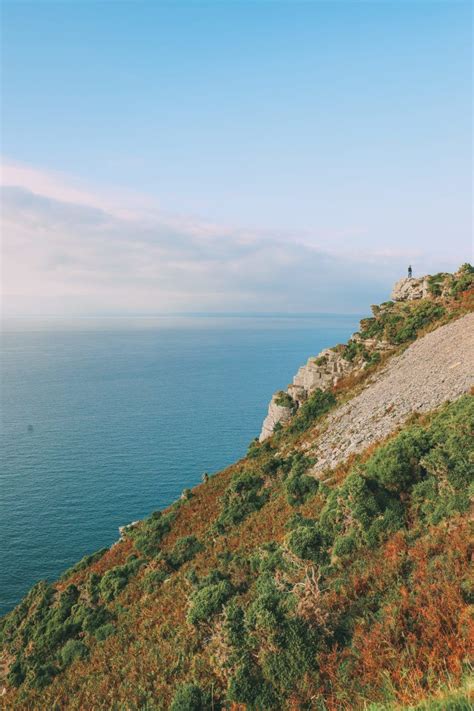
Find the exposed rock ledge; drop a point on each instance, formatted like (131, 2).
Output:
(276, 414)
(409, 289)
(320, 372)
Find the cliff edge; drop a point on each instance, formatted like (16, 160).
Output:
(417, 303)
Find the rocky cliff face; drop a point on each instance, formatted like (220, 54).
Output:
(376, 335)
(409, 289)
(277, 413)
(321, 372)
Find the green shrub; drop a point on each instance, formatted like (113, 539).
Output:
(67, 599)
(208, 600)
(90, 618)
(248, 687)
(309, 543)
(105, 631)
(396, 323)
(397, 465)
(148, 535)
(242, 497)
(268, 558)
(17, 673)
(72, 650)
(374, 358)
(153, 579)
(444, 490)
(413, 319)
(92, 587)
(435, 283)
(184, 549)
(299, 486)
(283, 399)
(188, 697)
(116, 579)
(43, 675)
(464, 281)
(316, 406)
(288, 644)
(353, 350)
(235, 626)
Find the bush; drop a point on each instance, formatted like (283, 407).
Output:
(116, 579)
(72, 650)
(316, 406)
(208, 600)
(188, 697)
(283, 399)
(299, 486)
(435, 283)
(248, 686)
(243, 497)
(308, 543)
(153, 579)
(397, 323)
(184, 550)
(91, 618)
(105, 631)
(235, 627)
(287, 643)
(412, 320)
(397, 465)
(464, 281)
(148, 535)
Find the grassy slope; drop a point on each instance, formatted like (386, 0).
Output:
(264, 589)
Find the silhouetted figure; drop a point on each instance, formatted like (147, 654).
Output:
(410, 272)
(205, 477)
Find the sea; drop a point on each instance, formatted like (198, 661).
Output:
(104, 420)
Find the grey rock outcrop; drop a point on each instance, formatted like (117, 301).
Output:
(410, 289)
(322, 371)
(276, 414)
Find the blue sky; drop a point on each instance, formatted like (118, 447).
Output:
(232, 155)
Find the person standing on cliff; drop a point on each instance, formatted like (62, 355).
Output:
(410, 272)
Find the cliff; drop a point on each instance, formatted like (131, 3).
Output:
(327, 570)
(393, 323)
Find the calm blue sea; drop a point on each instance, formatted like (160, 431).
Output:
(106, 420)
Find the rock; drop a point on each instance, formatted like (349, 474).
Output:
(276, 413)
(127, 527)
(410, 289)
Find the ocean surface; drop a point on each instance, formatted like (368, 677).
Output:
(105, 420)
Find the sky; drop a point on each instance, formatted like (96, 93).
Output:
(233, 156)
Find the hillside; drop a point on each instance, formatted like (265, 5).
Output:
(327, 570)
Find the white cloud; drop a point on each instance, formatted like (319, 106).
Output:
(69, 250)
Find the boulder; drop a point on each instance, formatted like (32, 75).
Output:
(410, 289)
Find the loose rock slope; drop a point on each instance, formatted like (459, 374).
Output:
(433, 370)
